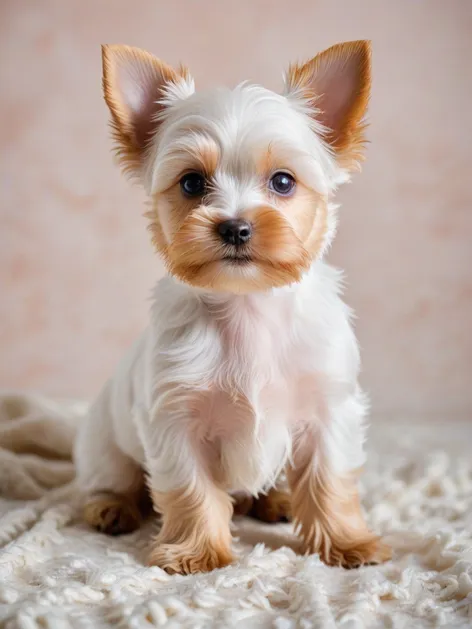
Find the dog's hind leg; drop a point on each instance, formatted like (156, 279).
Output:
(113, 485)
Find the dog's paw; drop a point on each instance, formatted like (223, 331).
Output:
(370, 551)
(183, 559)
(112, 514)
(273, 507)
(242, 504)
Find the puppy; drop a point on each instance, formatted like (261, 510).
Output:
(249, 365)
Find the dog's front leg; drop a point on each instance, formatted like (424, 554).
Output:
(325, 501)
(196, 513)
(195, 534)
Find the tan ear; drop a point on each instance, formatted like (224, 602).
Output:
(134, 85)
(337, 83)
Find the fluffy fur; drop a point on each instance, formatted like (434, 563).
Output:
(248, 367)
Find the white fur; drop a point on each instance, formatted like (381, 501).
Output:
(141, 414)
(224, 378)
(241, 122)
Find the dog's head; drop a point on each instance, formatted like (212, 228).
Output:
(239, 179)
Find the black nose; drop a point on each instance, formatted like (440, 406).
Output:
(236, 231)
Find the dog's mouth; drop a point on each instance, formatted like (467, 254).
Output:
(238, 259)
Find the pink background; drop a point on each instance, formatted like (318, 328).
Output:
(76, 266)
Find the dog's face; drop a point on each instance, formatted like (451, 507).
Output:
(239, 179)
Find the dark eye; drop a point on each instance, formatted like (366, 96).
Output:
(193, 184)
(282, 183)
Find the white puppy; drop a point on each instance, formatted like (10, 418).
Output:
(249, 365)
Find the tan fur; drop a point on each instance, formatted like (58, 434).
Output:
(204, 158)
(133, 133)
(347, 134)
(326, 509)
(275, 506)
(195, 534)
(286, 238)
(242, 504)
(309, 211)
(112, 513)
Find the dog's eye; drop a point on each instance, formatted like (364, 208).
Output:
(193, 184)
(282, 183)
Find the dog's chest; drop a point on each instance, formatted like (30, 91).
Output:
(246, 413)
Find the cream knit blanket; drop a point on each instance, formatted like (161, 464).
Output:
(57, 574)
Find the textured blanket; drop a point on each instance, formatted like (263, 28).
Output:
(57, 574)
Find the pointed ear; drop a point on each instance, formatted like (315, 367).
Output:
(337, 84)
(134, 85)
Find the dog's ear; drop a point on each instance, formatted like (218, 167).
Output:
(336, 83)
(137, 87)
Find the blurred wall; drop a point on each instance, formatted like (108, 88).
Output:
(76, 266)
